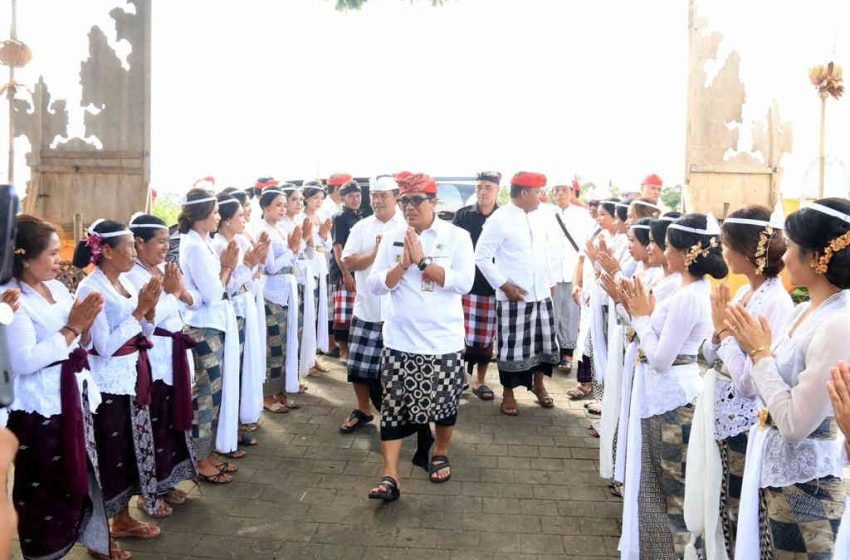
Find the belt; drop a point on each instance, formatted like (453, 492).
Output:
(71, 421)
(284, 270)
(681, 360)
(141, 345)
(181, 374)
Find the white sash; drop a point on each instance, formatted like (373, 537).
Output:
(842, 540)
(613, 394)
(629, 541)
(597, 335)
(253, 367)
(293, 384)
(260, 306)
(747, 543)
(625, 407)
(226, 438)
(322, 340)
(703, 478)
(308, 332)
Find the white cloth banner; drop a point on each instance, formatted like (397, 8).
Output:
(747, 544)
(253, 367)
(629, 540)
(613, 394)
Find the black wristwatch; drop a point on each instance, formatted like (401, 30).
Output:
(423, 264)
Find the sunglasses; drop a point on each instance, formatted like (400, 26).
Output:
(416, 201)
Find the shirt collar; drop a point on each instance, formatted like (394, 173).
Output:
(477, 209)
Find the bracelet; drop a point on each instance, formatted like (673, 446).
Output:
(720, 332)
(757, 351)
(72, 329)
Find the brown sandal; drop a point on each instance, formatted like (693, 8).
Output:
(144, 531)
(579, 394)
(115, 553)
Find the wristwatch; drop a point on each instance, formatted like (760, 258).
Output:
(423, 264)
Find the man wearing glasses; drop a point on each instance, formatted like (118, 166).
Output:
(425, 267)
(479, 305)
(513, 254)
(365, 342)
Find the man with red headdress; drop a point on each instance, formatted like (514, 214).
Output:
(651, 187)
(426, 267)
(513, 254)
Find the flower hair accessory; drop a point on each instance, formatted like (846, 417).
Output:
(94, 241)
(696, 251)
(821, 265)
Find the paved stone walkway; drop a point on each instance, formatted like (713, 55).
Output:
(522, 488)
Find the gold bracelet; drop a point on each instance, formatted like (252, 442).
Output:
(757, 351)
(719, 333)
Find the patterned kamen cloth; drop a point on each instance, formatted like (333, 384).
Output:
(39, 492)
(276, 323)
(125, 453)
(343, 311)
(566, 315)
(526, 341)
(175, 461)
(479, 313)
(206, 391)
(664, 448)
(802, 520)
(365, 344)
(733, 452)
(419, 389)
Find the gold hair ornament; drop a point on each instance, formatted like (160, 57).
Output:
(761, 250)
(20, 251)
(821, 265)
(696, 251)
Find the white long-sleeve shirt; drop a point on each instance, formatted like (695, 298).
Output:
(361, 240)
(201, 268)
(514, 247)
(426, 318)
(279, 262)
(168, 317)
(578, 222)
(35, 342)
(113, 326)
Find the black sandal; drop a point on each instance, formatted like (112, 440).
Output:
(387, 490)
(362, 420)
(438, 463)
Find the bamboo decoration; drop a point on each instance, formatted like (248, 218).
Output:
(829, 82)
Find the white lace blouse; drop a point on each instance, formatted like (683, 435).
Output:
(280, 258)
(242, 276)
(677, 327)
(167, 317)
(35, 341)
(735, 404)
(115, 325)
(793, 385)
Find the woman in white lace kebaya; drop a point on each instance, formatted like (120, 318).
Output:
(753, 246)
(792, 497)
(55, 397)
(668, 378)
(120, 366)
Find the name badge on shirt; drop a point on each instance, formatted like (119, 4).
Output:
(428, 285)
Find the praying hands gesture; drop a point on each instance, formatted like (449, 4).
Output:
(82, 315)
(591, 251)
(753, 335)
(258, 252)
(609, 263)
(172, 281)
(148, 298)
(11, 297)
(307, 231)
(295, 239)
(839, 394)
(637, 300)
(325, 229)
(413, 246)
(611, 288)
(719, 305)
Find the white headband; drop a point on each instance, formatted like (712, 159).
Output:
(271, 190)
(228, 201)
(645, 203)
(668, 218)
(711, 227)
(622, 204)
(828, 211)
(91, 231)
(148, 226)
(776, 221)
(199, 201)
(639, 226)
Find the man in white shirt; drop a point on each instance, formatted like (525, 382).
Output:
(569, 237)
(426, 268)
(365, 342)
(513, 254)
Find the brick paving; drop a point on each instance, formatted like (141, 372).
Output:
(522, 488)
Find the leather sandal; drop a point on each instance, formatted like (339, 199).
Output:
(387, 490)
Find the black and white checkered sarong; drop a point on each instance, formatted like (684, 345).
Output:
(419, 389)
(365, 343)
(527, 335)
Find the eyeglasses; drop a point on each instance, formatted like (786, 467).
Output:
(416, 201)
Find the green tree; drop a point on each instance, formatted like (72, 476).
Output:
(166, 208)
(671, 197)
